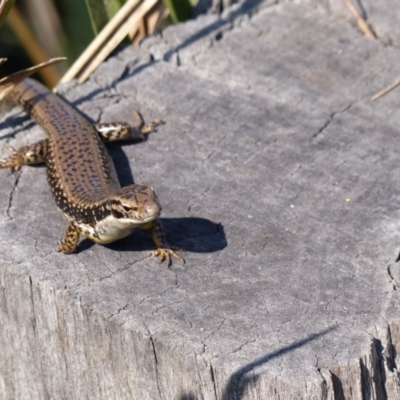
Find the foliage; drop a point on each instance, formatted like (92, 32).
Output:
(180, 10)
(101, 12)
(5, 7)
(42, 29)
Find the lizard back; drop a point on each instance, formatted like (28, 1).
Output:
(79, 168)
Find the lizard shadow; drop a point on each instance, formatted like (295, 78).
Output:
(192, 234)
(121, 162)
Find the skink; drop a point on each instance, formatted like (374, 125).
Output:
(82, 176)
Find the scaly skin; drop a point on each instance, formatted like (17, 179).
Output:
(82, 176)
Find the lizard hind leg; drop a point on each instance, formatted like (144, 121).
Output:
(35, 153)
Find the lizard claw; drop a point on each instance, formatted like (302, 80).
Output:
(145, 129)
(10, 148)
(165, 255)
(151, 126)
(13, 162)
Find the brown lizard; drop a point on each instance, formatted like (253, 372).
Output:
(82, 176)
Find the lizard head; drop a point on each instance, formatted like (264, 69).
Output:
(135, 204)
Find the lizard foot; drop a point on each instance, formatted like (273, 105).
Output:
(146, 129)
(165, 255)
(151, 126)
(13, 162)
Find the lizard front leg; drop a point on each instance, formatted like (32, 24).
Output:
(164, 250)
(114, 131)
(69, 243)
(35, 153)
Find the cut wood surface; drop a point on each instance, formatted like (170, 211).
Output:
(278, 177)
(381, 15)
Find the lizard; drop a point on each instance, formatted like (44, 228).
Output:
(82, 176)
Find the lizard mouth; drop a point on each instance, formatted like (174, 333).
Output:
(150, 218)
(138, 221)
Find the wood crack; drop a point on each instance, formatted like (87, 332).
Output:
(11, 196)
(331, 118)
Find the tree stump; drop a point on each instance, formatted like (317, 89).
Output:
(277, 176)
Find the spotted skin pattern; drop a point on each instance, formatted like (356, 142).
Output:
(82, 176)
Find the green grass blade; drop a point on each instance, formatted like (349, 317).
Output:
(101, 11)
(5, 7)
(180, 10)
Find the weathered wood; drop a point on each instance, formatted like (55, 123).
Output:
(382, 15)
(278, 177)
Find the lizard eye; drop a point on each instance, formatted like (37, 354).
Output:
(127, 209)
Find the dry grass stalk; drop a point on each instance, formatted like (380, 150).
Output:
(36, 53)
(116, 39)
(149, 24)
(381, 93)
(361, 22)
(4, 8)
(128, 17)
(9, 82)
